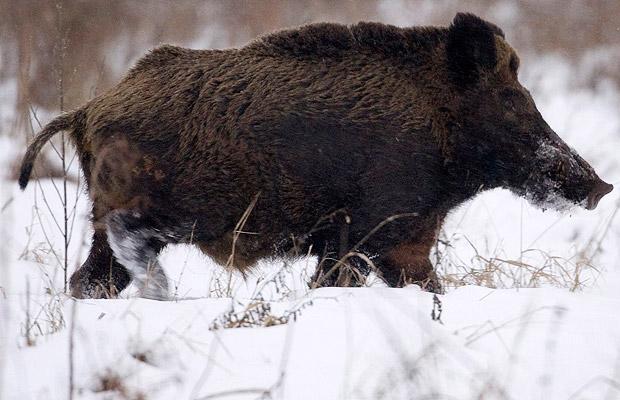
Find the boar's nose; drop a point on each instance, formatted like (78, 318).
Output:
(600, 189)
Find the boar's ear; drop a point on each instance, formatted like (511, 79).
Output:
(470, 47)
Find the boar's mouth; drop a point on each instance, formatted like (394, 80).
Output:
(545, 194)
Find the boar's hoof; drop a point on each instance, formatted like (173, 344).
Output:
(93, 290)
(99, 277)
(431, 284)
(334, 275)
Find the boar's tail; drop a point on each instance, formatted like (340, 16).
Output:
(61, 123)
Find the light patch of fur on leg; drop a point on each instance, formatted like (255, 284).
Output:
(132, 247)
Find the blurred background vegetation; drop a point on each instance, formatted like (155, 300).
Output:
(88, 45)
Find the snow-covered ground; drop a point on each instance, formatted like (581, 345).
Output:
(546, 326)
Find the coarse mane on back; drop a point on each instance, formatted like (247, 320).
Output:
(331, 40)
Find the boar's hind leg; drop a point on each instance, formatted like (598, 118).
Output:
(135, 244)
(101, 276)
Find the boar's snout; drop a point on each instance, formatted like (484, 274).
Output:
(560, 178)
(597, 193)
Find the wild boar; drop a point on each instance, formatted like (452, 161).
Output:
(350, 143)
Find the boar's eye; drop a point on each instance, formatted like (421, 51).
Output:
(510, 98)
(514, 64)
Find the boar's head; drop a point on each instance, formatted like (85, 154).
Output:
(501, 140)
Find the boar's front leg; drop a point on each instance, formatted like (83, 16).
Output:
(408, 263)
(403, 251)
(101, 276)
(337, 270)
(331, 245)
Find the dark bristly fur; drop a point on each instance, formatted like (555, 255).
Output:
(310, 139)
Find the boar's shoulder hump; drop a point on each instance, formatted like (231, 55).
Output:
(331, 39)
(324, 38)
(163, 56)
